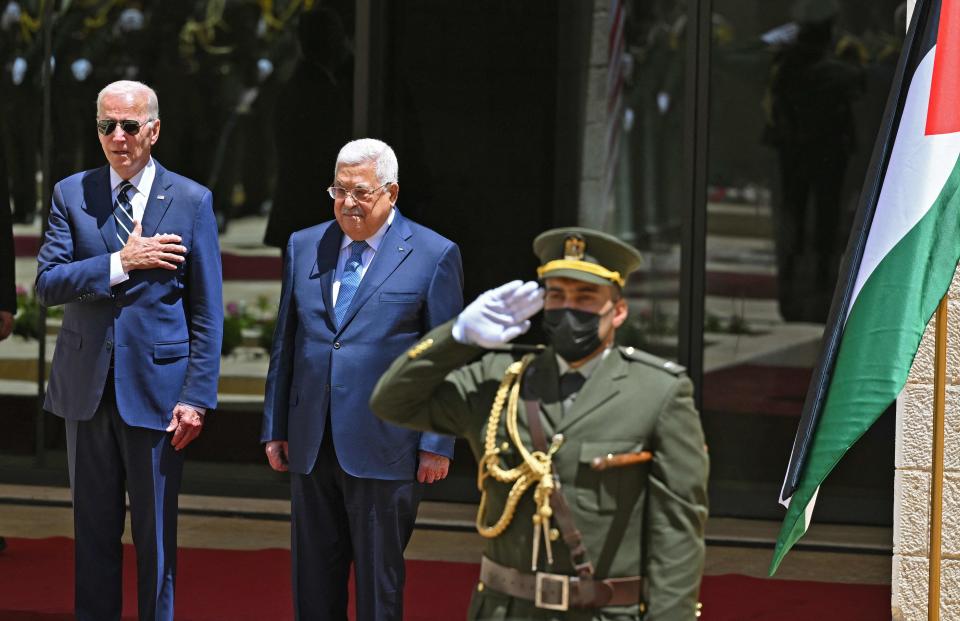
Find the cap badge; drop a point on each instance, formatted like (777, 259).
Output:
(574, 247)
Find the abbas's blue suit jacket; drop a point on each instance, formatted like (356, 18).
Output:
(415, 282)
(163, 328)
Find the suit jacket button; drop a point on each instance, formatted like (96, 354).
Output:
(336, 345)
(109, 345)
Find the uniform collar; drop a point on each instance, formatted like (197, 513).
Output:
(588, 368)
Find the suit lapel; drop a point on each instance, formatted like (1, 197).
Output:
(542, 382)
(325, 267)
(158, 201)
(394, 248)
(603, 385)
(98, 200)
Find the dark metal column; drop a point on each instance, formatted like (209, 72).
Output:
(368, 70)
(693, 237)
(47, 142)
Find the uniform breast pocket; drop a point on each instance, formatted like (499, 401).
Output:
(602, 491)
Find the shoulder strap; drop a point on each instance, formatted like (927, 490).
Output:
(561, 510)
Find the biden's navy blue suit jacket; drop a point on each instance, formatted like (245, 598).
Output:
(163, 328)
(413, 283)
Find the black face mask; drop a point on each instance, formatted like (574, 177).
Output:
(574, 334)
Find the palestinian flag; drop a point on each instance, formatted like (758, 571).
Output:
(900, 259)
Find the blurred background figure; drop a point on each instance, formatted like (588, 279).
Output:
(82, 43)
(813, 83)
(21, 51)
(312, 119)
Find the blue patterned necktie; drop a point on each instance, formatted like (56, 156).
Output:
(123, 213)
(350, 280)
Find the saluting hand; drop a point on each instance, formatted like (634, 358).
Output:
(145, 253)
(499, 315)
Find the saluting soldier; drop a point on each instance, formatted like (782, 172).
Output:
(82, 41)
(592, 463)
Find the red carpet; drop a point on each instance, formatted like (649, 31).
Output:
(36, 584)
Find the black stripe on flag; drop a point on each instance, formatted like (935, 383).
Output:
(920, 39)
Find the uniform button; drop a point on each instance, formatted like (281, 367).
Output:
(336, 345)
(109, 345)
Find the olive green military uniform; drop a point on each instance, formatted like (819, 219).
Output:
(640, 518)
(626, 454)
(645, 519)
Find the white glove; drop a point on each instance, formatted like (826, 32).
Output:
(499, 315)
(18, 70)
(247, 98)
(11, 15)
(264, 69)
(81, 69)
(130, 20)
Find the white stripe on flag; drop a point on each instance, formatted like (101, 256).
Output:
(919, 168)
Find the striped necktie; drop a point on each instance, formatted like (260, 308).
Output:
(123, 213)
(350, 280)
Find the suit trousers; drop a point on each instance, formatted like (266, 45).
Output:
(106, 458)
(338, 519)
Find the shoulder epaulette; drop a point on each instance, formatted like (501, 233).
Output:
(668, 366)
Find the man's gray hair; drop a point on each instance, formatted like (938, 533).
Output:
(370, 150)
(136, 89)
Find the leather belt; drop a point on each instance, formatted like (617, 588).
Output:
(558, 591)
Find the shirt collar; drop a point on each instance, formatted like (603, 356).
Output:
(141, 181)
(374, 240)
(589, 367)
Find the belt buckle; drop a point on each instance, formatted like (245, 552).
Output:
(544, 579)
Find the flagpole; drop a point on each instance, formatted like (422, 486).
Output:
(936, 488)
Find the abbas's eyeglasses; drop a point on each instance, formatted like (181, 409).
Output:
(360, 195)
(108, 126)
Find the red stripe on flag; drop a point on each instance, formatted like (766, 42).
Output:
(943, 111)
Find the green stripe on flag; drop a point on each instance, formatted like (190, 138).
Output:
(880, 340)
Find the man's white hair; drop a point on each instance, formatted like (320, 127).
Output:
(136, 89)
(370, 150)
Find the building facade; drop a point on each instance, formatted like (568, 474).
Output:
(727, 140)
